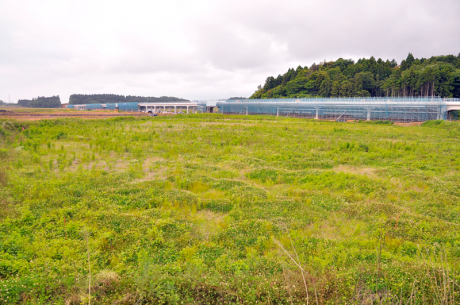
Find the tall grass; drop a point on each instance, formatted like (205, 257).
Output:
(228, 209)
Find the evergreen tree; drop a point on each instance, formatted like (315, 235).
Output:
(41, 102)
(438, 75)
(406, 64)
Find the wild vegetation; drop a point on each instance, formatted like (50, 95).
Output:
(214, 209)
(436, 76)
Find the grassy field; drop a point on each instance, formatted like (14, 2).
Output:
(213, 209)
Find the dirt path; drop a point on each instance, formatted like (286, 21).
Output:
(408, 124)
(33, 116)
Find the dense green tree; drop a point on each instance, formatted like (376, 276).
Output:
(406, 64)
(279, 80)
(326, 87)
(438, 75)
(270, 83)
(456, 83)
(335, 89)
(346, 89)
(296, 86)
(368, 81)
(41, 102)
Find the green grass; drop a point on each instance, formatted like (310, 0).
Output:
(213, 209)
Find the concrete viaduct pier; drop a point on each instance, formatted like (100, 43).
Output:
(161, 107)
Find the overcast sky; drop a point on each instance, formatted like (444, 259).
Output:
(203, 49)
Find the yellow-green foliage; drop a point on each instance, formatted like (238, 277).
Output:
(221, 209)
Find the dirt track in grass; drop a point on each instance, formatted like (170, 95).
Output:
(45, 114)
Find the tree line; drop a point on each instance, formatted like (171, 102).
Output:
(436, 76)
(41, 102)
(79, 99)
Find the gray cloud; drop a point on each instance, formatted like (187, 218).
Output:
(329, 29)
(203, 49)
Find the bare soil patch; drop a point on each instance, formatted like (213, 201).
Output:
(34, 116)
(47, 114)
(367, 171)
(408, 124)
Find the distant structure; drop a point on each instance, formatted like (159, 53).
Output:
(185, 107)
(343, 109)
(335, 109)
(157, 107)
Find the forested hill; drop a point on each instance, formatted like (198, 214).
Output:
(438, 75)
(41, 102)
(78, 99)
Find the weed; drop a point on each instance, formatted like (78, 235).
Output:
(228, 209)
